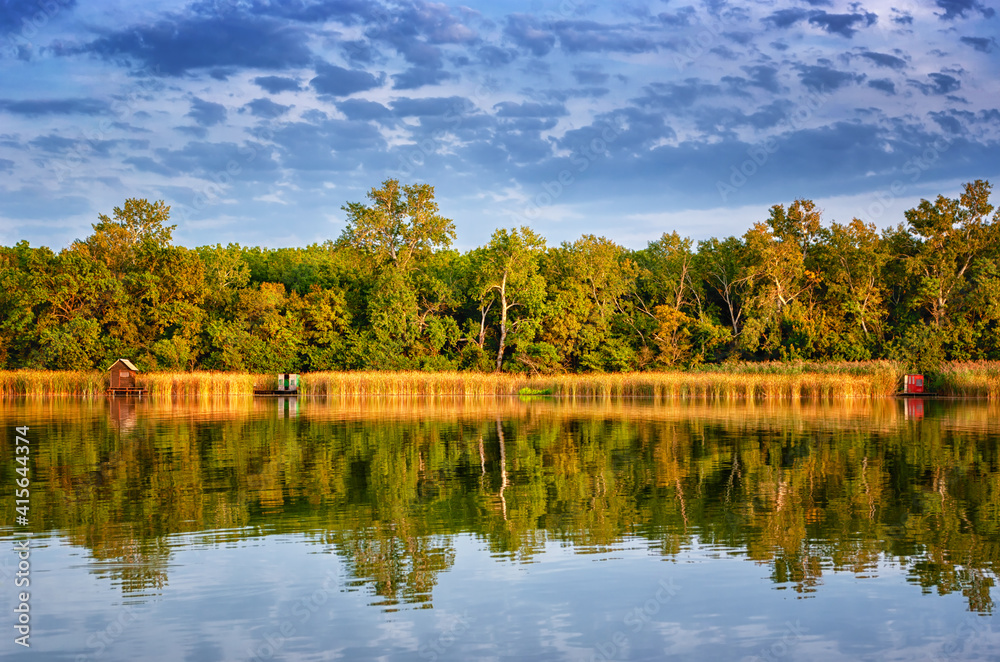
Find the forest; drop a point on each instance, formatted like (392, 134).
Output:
(391, 293)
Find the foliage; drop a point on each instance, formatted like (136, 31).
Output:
(390, 293)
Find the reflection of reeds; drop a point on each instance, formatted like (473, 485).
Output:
(878, 414)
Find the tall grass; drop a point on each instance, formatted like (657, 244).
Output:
(872, 379)
(411, 383)
(746, 381)
(199, 384)
(86, 383)
(93, 383)
(969, 379)
(868, 380)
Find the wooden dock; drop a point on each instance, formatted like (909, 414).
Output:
(126, 391)
(263, 392)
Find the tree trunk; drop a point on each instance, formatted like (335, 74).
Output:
(503, 321)
(482, 324)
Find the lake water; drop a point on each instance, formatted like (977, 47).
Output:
(511, 529)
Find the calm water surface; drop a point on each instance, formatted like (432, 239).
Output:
(505, 529)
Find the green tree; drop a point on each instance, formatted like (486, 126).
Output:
(780, 287)
(722, 265)
(801, 224)
(263, 335)
(226, 272)
(852, 260)
(141, 288)
(25, 296)
(510, 278)
(396, 241)
(952, 234)
(401, 224)
(127, 240)
(588, 314)
(673, 291)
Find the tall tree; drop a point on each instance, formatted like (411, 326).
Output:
(132, 237)
(852, 259)
(591, 284)
(952, 233)
(666, 271)
(397, 237)
(510, 278)
(780, 287)
(722, 265)
(801, 224)
(401, 223)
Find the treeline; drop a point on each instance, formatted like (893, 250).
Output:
(391, 294)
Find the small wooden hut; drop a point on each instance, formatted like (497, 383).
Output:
(123, 378)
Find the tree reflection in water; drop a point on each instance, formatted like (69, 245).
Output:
(802, 487)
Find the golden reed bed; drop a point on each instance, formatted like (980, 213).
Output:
(874, 379)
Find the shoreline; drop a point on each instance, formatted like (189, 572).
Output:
(875, 379)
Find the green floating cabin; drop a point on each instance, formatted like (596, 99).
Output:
(288, 384)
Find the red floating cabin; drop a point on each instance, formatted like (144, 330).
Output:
(913, 385)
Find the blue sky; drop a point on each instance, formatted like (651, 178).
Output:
(256, 121)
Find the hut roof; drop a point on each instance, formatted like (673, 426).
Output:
(128, 364)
